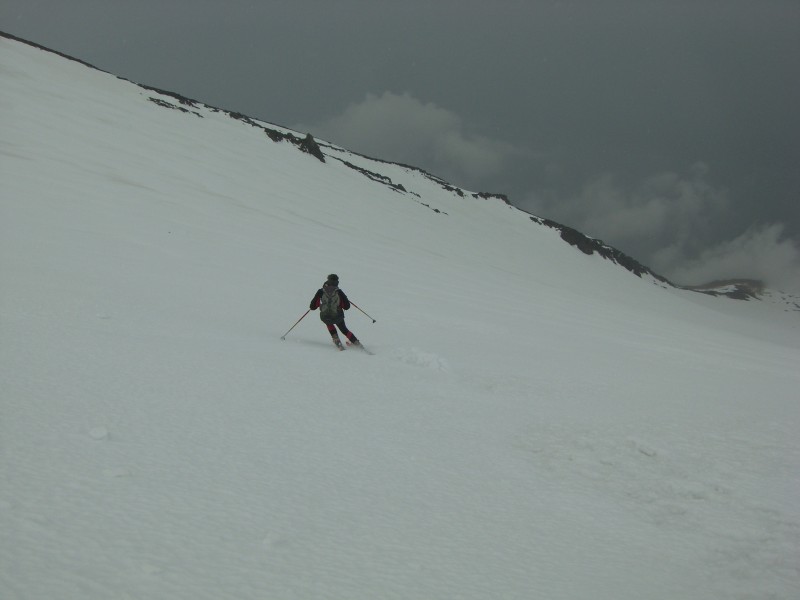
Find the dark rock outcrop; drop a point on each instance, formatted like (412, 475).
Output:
(310, 146)
(738, 289)
(589, 246)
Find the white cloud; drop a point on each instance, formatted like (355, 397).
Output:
(400, 128)
(662, 208)
(759, 253)
(671, 222)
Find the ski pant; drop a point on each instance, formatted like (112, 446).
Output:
(332, 330)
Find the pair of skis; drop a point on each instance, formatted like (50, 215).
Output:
(339, 346)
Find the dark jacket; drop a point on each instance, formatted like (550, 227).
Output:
(344, 303)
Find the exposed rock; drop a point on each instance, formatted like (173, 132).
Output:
(589, 246)
(738, 289)
(309, 145)
(489, 195)
(166, 104)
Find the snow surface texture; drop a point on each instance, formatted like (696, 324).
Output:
(535, 422)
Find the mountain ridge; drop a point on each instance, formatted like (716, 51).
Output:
(307, 143)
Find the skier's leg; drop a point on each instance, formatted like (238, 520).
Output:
(350, 335)
(334, 335)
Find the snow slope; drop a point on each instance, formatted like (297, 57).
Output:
(535, 422)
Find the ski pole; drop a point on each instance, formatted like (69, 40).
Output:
(359, 308)
(283, 337)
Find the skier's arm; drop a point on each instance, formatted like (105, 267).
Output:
(315, 300)
(345, 300)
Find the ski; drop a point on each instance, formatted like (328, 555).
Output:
(360, 346)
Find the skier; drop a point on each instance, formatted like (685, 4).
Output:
(332, 302)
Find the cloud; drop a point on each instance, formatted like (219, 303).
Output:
(679, 225)
(759, 253)
(401, 128)
(664, 208)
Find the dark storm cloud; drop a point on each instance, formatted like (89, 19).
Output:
(667, 128)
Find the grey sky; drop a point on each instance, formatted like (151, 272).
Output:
(669, 129)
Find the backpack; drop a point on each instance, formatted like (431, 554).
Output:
(329, 306)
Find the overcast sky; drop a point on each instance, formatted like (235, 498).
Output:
(669, 129)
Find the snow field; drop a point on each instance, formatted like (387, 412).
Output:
(534, 423)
